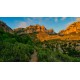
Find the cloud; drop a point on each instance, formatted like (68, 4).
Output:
(78, 19)
(37, 20)
(40, 20)
(33, 20)
(63, 18)
(56, 19)
(22, 25)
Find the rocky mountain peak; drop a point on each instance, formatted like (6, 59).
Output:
(35, 28)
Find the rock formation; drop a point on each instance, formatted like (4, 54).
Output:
(34, 28)
(72, 28)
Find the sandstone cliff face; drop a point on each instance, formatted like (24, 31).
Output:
(34, 28)
(5, 28)
(42, 32)
(73, 28)
(72, 32)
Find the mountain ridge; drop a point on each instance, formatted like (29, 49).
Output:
(72, 28)
(72, 32)
(34, 28)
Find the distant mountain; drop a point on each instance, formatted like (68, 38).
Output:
(40, 31)
(5, 28)
(34, 29)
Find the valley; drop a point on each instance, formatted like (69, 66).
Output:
(35, 43)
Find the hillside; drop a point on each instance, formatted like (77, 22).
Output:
(40, 32)
(5, 28)
(72, 32)
(71, 29)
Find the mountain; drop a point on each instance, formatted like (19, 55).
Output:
(72, 32)
(5, 28)
(71, 29)
(39, 31)
(34, 29)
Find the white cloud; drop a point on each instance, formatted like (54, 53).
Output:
(78, 19)
(63, 18)
(56, 19)
(32, 20)
(40, 20)
(22, 25)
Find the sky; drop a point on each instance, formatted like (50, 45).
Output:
(55, 23)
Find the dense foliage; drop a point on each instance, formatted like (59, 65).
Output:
(14, 47)
(56, 50)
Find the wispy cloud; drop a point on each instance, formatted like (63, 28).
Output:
(29, 21)
(56, 19)
(63, 18)
(38, 20)
(22, 25)
(33, 20)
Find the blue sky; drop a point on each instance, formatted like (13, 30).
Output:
(56, 23)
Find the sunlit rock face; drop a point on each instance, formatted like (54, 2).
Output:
(38, 28)
(41, 32)
(72, 28)
(43, 29)
(35, 28)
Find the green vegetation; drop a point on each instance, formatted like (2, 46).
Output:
(57, 50)
(18, 48)
(14, 47)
